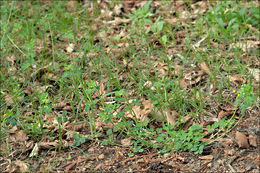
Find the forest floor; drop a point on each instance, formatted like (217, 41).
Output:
(129, 86)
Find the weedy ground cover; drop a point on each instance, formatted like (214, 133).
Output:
(149, 77)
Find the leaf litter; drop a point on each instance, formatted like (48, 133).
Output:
(190, 77)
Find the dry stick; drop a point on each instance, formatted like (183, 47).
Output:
(132, 158)
(231, 168)
(15, 45)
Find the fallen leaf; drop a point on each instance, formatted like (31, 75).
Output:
(21, 165)
(176, 70)
(78, 127)
(101, 156)
(48, 145)
(237, 79)
(195, 76)
(207, 123)
(183, 84)
(117, 9)
(256, 73)
(67, 108)
(126, 142)
(98, 167)
(102, 125)
(246, 46)
(208, 157)
(11, 59)
(172, 116)
(142, 113)
(70, 166)
(13, 129)
(230, 152)
(241, 140)
(223, 114)
(70, 6)
(20, 136)
(188, 123)
(91, 150)
(40, 72)
(252, 140)
(70, 48)
(204, 67)
(7, 98)
(127, 5)
(253, 28)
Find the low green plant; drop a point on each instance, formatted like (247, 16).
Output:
(78, 139)
(245, 99)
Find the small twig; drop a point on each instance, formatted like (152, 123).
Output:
(231, 168)
(15, 45)
(146, 169)
(132, 158)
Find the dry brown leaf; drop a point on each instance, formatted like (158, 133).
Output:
(101, 156)
(185, 15)
(20, 136)
(172, 21)
(102, 125)
(126, 142)
(172, 116)
(13, 129)
(129, 4)
(256, 73)
(21, 165)
(70, 48)
(11, 59)
(241, 140)
(78, 127)
(48, 145)
(141, 113)
(252, 140)
(252, 28)
(204, 67)
(195, 76)
(52, 120)
(208, 157)
(70, 6)
(188, 123)
(70, 166)
(60, 105)
(223, 114)
(183, 84)
(91, 150)
(117, 9)
(39, 72)
(206, 123)
(248, 46)
(228, 108)
(67, 108)
(176, 70)
(8, 98)
(237, 79)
